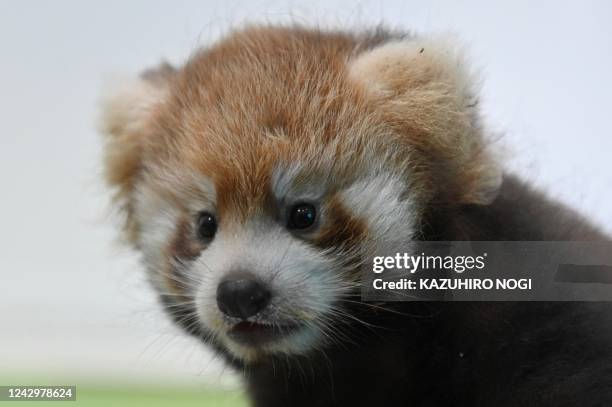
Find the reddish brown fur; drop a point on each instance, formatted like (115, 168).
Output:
(342, 230)
(269, 96)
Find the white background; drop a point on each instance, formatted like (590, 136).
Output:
(73, 302)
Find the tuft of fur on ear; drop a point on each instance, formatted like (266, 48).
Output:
(425, 84)
(126, 109)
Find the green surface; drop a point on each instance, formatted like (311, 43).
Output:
(110, 396)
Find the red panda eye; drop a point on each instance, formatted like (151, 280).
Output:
(207, 226)
(302, 216)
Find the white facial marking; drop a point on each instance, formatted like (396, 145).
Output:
(157, 215)
(306, 282)
(301, 279)
(157, 219)
(381, 200)
(286, 188)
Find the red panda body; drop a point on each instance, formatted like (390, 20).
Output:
(255, 180)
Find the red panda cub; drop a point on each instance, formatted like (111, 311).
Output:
(254, 179)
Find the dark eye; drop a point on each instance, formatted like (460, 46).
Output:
(207, 226)
(302, 216)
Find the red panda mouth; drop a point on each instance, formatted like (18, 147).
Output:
(252, 333)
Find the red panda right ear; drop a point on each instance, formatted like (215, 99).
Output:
(427, 83)
(127, 109)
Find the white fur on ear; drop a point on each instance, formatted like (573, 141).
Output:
(427, 84)
(127, 102)
(434, 62)
(127, 107)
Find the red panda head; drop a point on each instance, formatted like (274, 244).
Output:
(257, 178)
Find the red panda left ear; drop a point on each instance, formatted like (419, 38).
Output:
(427, 85)
(127, 110)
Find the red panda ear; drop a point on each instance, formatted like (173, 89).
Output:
(426, 84)
(127, 109)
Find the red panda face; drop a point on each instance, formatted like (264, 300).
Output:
(258, 178)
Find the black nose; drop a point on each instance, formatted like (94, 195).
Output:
(242, 296)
